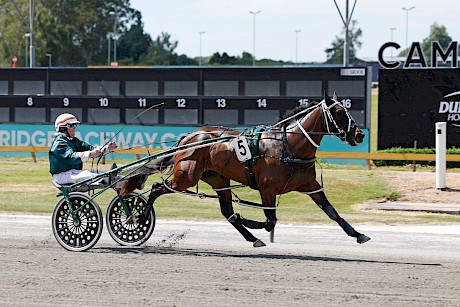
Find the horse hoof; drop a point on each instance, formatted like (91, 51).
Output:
(258, 243)
(363, 239)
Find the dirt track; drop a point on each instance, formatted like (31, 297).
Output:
(209, 264)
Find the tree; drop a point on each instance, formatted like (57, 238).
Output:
(437, 33)
(225, 59)
(335, 52)
(73, 31)
(161, 52)
(134, 43)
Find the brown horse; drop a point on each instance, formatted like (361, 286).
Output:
(284, 162)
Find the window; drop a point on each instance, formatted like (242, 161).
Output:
(103, 116)
(221, 88)
(181, 88)
(220, 117)
(103, 88)
(346, 88)
(3, 87)
(262, 88)
(66, 88)
(29, 88)
(304, 88)
(181, 117)
(55, 112)
(141, 88)
(30, 115)
(260, 117)
(148, 118)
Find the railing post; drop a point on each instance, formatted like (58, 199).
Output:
(441, 132)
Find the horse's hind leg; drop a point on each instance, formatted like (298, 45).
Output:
(321, 200)
(216, 181)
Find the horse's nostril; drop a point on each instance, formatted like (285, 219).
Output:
(359, 137)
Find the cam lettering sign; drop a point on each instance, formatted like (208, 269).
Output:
(416, 57)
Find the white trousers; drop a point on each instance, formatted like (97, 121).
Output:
(73, 176)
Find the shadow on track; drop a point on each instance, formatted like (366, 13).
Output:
(174, 251)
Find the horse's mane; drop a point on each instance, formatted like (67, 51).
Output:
(296, 110)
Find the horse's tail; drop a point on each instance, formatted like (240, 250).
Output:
(137, 175)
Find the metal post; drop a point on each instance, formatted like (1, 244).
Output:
(201, 34)
(407, 26)
(26, 57)
(346, 55)
(108, 49)
(49, 59)
(32, 46)
(114, 35)
(392, 29)
(254, 37)
(346, 23)
(441, 136)
(296, 45)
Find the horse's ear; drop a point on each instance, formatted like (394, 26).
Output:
(334, 97)
(327, 99)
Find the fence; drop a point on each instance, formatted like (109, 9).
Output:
(321, 155)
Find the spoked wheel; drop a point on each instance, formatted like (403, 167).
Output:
(81, 234)
(129, 229)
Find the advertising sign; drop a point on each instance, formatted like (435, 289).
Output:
(155, 137)
(411, 101)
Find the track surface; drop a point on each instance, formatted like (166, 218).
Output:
(209, 264)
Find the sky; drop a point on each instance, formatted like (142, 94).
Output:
(228, 25)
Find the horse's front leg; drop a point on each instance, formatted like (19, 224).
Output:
(321, 200)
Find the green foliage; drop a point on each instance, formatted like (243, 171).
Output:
(437, 33)
(335, 52)
(162, 52)
(225, 59)
(134, 43)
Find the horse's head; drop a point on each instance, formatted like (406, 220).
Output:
(338, 120)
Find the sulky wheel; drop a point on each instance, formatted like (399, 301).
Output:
(84, 232)
(128, 229)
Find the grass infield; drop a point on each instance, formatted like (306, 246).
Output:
(25, 187)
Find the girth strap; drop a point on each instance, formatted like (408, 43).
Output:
(254, 138)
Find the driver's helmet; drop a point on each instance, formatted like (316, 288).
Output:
(64, 119)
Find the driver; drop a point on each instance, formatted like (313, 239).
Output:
(67, 152)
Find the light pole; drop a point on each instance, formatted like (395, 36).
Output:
(26, 57)
(31, 33)
(407, 24)
(346, 23)
(392, 29)
(115, 35)
(108, 48)
(49, 55)
(254, 37)
(296, 44)
(201, 34)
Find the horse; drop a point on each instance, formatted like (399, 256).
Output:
(284, 162)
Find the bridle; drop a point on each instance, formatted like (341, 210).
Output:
(331, 125)
(343, 127)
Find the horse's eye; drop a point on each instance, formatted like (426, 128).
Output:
(340, 113)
